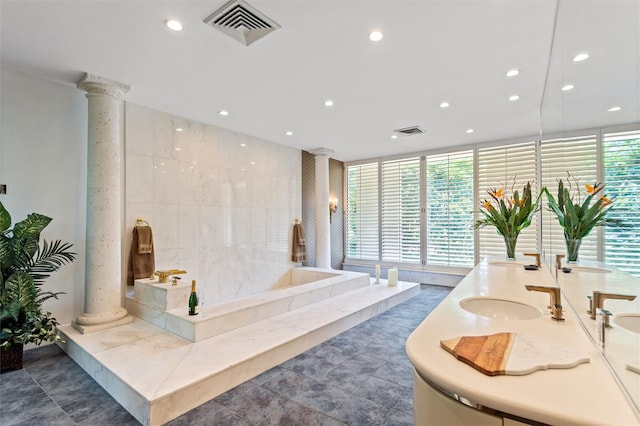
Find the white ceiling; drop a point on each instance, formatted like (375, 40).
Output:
(433, 51)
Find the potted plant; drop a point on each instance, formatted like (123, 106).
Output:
(575, 213)
(25, 265)
(509, 215)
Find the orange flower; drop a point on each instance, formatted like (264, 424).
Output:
(605, 201)
(496, 193)
(487, 205)
(520, 202)
(590, 188)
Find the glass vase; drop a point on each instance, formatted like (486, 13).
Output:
(573, 247)
(510, 244)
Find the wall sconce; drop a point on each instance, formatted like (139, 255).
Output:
(333, 206)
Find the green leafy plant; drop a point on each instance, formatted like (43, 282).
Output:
(509, 214)
(574, 211)
(25, 265)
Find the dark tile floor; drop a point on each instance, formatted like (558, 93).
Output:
(360, 377)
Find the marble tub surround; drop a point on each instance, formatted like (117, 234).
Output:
(158, 376)
(165, 305)
(559, 396)
(222, 204)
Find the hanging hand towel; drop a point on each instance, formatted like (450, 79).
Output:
(298, 246)
(141, 259)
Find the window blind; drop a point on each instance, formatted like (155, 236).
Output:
(578, 156)
(362, 211)
(401, 210)
(449, 209)
(621, 154)
(509, 167)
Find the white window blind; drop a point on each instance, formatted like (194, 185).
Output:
(578, 156)
(621, 152)
(401, 210)
(449, 209)
(362, 211)
(509, 167)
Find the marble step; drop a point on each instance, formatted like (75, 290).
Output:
(290, 294)
(158, 376)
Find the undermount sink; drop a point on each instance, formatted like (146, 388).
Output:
(629, 322)
(592, 269)
(499, 308)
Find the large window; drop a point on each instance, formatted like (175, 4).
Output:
(508, 167)
(449, 209)
(362, 212)
(421, 209)
(621, 153)
(573, 160)
(401, 210)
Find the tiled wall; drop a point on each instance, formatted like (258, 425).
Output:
(220, 210)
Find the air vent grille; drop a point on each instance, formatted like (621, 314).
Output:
(408, 131)
(241, 21)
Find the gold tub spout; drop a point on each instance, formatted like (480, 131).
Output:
(163, 276)
(597, 302)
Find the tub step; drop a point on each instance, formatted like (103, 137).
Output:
(223, 317)
(158, 376)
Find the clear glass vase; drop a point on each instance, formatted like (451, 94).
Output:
(510, 244)
(573, 247)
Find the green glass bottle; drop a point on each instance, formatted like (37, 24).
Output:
(194, 303)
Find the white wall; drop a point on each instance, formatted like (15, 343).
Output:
(43, 151)
(222, 211)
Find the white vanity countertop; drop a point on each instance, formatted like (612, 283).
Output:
(587, 394)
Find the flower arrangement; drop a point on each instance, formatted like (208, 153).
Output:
(575, 213)
(509, 215)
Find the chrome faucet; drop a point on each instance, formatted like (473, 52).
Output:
(554, 295)
(597, 301)
(537, 256)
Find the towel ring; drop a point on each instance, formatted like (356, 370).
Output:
(141, 222)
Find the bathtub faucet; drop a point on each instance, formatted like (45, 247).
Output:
(163, 276)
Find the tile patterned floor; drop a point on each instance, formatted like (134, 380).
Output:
(360, 377)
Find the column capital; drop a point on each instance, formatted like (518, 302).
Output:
(326, 152)
(94, 84)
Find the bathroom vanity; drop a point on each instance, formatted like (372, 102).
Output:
(493, 299)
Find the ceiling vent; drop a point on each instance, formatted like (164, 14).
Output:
(241, 21)
(408, 131)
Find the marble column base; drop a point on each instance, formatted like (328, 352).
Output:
(91, 328)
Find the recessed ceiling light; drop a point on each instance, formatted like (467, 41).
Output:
(444, 105)
(375, 36)
(614, 109)
(253, 163)
(177, 148)
(514, 97)
(289, 133)
(223, 112)
(174, 25)
(328, 103)
(243, 144)
(580, 57)
(179, 129)
(394, 136)
(470, 130)
(567, 87)
(513, 72)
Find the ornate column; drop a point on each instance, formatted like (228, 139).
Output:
(103, 269)
(323, 231)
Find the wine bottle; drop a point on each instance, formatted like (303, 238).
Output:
(194, 302)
